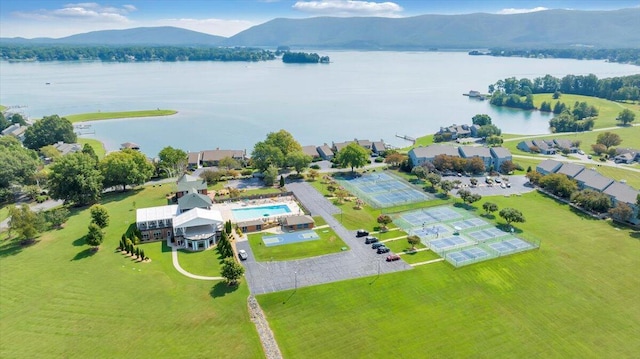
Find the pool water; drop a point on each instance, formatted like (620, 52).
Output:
(243, 214)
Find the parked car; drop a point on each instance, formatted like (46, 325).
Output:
(498, 180)
(377, 245)
(502, 185)
(370, 240)
(393, 257)
(361, 233)
(242, 254)
(508, 185)
(383, 249)
(580, 152)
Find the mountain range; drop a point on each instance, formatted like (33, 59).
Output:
(543, 29)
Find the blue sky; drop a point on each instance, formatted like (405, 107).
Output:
(53, 18)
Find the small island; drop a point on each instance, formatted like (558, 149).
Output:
(304, 58)
(97, 116)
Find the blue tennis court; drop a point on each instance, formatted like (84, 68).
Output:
(448, 243)
(437, 229)
(443, 213)
(286, 238)
(466, 255)
(470, 223)
(383, 190)
(485, 234)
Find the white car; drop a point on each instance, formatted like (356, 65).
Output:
(581, 152)
(242, 254)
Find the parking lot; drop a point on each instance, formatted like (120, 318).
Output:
(519, 185)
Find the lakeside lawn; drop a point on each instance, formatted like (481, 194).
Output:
(98, 116)
(205, 263)
(98, 147)
(329, 242)
(608, 110)
(574, 297)
(59, 300)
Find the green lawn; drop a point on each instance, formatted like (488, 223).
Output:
(4, 213)
(401, 245)
(630, 138)
(98, 147)
(575, 297)
(608, 110)
(206, 263)
(59, 301)
(329, 242)
(97, 116)
(422, 256)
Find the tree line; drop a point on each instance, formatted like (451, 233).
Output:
(626, 56)
(303, 58)
(624, 88)
(131, 53)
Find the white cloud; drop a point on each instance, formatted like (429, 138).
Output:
(512, 11)
(218, 27)
(92, 12)
(348, 8)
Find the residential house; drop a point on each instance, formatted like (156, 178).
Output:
(325, 152)
(548, 166)
(67, 148)
(627, 155)
(564, 144)
(311, 151)
(298, 222)
(545, 147)
(500, 155)
(474, 130)
(570, 170)
(212, 158)
(420, 155)
(190, 184)
(366, 144)
(590, 179)
(378, 147)
(483, 153)
(15, 130)
(456, 131)
(130, 146)
(526, 146)
(191, 224)
(623, 193)
(194, 160)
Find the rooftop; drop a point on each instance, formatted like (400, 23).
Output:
(156, 213)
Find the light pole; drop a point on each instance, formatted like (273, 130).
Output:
(295, 276)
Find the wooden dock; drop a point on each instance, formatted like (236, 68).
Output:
(407, 138)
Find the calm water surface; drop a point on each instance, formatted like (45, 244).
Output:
(368, 95)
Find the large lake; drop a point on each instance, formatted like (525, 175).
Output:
(365, 95)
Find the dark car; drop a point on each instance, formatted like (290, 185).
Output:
(370, 240)
(377, 245)
(393, 257)
(383, 249)
(361, 233)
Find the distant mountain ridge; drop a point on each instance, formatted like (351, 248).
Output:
(543, 29)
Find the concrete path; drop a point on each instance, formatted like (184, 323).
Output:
(174, 258)
(359, 261)
(427, 262)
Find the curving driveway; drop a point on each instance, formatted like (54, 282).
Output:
(359, 261)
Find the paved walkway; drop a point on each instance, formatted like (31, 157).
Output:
(428, 262)
(174, 258)
(359, 261)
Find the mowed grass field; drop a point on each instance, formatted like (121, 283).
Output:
(97, 116)
(607, 110)
(575, 297)
(59, 301)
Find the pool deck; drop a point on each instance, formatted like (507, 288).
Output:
(226, 208)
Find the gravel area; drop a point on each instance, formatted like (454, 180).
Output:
(269, 344)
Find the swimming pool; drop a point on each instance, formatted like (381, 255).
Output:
(243, 214)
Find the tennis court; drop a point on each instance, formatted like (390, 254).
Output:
(474, 254)
(470, 223)
(445, 244)
(286, 238)
(485, 234)
(434, 230)
(382, 190)
(510, 246)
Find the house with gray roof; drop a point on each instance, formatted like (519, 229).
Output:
(15, 130)
(311, 151)
(564, 144)
(500, 155)
(473, 151)
(194, 160)
(194, 200)
(548, 166)
(455, 131)
(571, 170)
(627, 155)
(590, 179)
(337, 146)
(297, 222)
(67, 148)
(525, 146)
(190, 184)
(623, 193)
(420, 155)
(378, 146)
(325, 152)
(211, 158)
(545, 147)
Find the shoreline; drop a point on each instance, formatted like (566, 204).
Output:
(100, 116)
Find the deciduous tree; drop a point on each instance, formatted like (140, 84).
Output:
(99, 215)
(626, 116)
(231, 271)
(95, 236)
(413, 240)
(173, 161)
(512, 215)
(395, 159)
(49, 130)
(609, 139)
(270, 175)
(298, 160)
(75, 179)
(353, 156)
(125, 168)
(17, 164)
(489, 207)
(481, 119)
